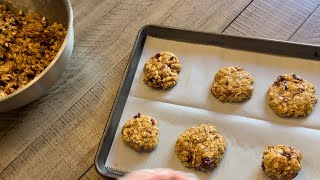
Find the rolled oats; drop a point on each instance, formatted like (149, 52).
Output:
(27, 46)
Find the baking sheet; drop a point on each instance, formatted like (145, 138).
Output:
(248, 126)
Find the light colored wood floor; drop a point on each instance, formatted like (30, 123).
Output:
(56, 137)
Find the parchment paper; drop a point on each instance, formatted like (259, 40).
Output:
(248, 127)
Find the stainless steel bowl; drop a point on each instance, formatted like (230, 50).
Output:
(54, 10)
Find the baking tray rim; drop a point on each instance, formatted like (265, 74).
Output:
(313, 53)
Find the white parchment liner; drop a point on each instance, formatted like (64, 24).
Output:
(248, 126)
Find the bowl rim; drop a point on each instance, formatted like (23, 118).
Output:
(62, 48)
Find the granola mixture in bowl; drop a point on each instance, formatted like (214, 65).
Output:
(28, 43)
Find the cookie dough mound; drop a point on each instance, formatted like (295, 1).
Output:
(200, 147)
(232, 84)
(162, 70)
(292, 96)
(141, 133)
(281, 162)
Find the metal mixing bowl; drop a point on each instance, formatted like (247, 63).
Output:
(54, 10)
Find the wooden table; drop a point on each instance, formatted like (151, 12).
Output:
(56, 137)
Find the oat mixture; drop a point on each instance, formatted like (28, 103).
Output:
(292, 96)
(141, 133)
(162, 70)
(281, 162)
(232, 84)
(27, 46)
(201, 147)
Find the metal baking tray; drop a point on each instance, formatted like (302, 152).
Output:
(268, 46)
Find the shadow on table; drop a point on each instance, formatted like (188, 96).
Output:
(10, 118)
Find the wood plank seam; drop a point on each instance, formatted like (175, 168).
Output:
(303, 22)
(181, 2)
(237, 16)
(92, 166)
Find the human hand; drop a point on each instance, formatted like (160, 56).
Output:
(158, 174)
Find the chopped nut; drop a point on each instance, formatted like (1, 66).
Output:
(297, 77)
(285, 85)
(301, 90)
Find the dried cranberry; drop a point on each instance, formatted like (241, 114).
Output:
(294, 175)
(137, 116)
(229, 92)
(157, 55)
(263, 168)
(286, 155)
(153, 122)
(190, 157)
(30, 76)
(285, 85)
(297, 77)
(207, 163)
(15, 86)
(45, 43)
(281, 78)
(277, 83)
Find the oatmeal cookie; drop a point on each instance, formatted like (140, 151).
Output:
(292, 96)
(232, 84)
(162, 70)
(141, 133)
(200, 147)
(281, 162)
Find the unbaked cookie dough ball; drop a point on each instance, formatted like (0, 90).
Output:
(201, 147)
(162, 70)
(281, 162)
(141, 133)
(232, 84)
(292, 96)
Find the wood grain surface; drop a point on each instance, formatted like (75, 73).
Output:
(56, 137)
